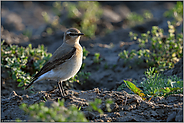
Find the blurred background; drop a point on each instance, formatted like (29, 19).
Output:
(107, 43)
(95, 19)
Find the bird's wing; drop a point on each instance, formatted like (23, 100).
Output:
(60, 56)
(52, 63)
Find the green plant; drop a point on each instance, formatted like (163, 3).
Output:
(27, 33)
(135, 89)
(123, 86)
(23, 62)
(106, 66)
(88, 14)
(85, 53)
(147, 14)
(94, 105)
(134, 18)
(108, 103)
(81, 75)
(126, 55)
(85, 15)
(53, 24)
(159, 85)
(156, 50)
(177, 13)
(84, 75)
(97, 58)
(39, 112)
(155, 85)
(45, 17)
(49, 30)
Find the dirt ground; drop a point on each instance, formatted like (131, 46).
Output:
(103, 81)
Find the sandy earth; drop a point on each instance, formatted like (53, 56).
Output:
(103, 81)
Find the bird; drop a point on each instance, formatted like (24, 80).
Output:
(65, 62)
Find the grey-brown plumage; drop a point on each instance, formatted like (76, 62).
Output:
(66, 60)
(52, 64)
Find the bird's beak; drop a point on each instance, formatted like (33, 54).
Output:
(80, 34)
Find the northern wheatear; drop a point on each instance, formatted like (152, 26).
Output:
(65, 62)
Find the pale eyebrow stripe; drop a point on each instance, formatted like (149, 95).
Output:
(68, 32)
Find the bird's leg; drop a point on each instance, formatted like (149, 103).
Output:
(63, 94)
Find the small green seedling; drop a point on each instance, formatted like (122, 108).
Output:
(97, 58)
(95, 106)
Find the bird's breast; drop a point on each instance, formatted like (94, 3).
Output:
(69, 68)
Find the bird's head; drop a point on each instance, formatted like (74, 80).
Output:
(72, 36)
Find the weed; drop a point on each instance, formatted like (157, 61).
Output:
(85, 14)
(27, 33)
(156, 49)
(85, 53)
(159, 51)
(85, 75)
(114, 66)
(156, 85)
(97, 58)
(80, 76)
(49, 31)
(177, 13)
(159, 85)
(39, 112)
(53, 24)
(134, 18)
(79, 108)
(108, 103)
(45, 17)
(58, 113)
(23, 62)
(89, 11)
(95, 106)
(44, 98)
(106, 66)
(123, 86)
(135, 89)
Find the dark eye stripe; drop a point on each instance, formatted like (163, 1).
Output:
(75, 34)
(71, 34)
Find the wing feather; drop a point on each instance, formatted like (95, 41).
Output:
(51, 64)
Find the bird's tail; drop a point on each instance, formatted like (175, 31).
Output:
(31, 83)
